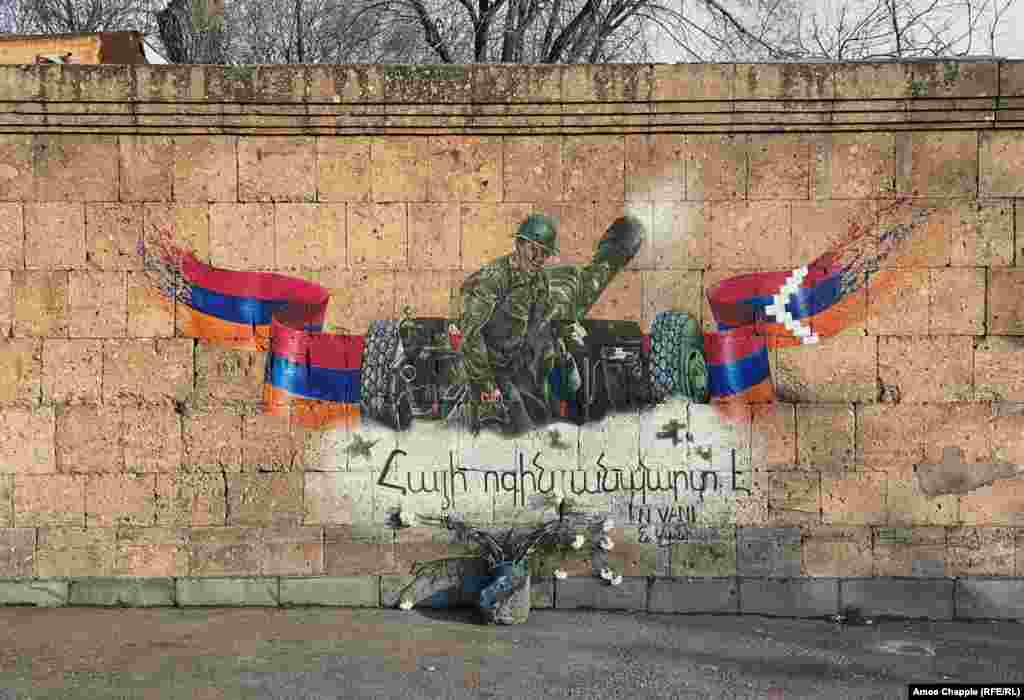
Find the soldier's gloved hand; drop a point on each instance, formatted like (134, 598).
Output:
(494, 395)
(574, 334)
(621, 242)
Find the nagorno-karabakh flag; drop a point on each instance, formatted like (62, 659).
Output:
(759, 311)
(312, 377)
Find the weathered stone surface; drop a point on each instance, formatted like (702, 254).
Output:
(17, 548)
(76, 167)
(542, 593)
(338, 498)
(277, 169)
(225, 551)
(132, 593)
(693, 81)
(49, 499)
(591, 592)
(990, 598)
(899, 597)
(292, 551)
(427, 83)
(920, 369)
(227, 591)
(347, 591)
(27, 440)
(40, 305)
(359, 551)
(903, 551)
(689, 595)
(71, 369)
(784, 81)
(1000, 156)
(151, 552)
(147, 371)
(981, 551)
(39, 592)
(768, 551)
(264, 498)
(795, 496)
(793, 597)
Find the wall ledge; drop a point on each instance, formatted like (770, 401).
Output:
(361, 100)
(968, 598)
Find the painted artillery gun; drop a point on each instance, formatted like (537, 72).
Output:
(528, 332)
(412, 370)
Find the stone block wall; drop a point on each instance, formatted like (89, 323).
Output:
(130, 450)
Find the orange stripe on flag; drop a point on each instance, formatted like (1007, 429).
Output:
(310, 413)
(196, 324)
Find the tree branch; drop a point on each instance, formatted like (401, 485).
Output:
(561, 42)
(433, 36)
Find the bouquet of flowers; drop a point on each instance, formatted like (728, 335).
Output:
(517, 545)
(513, 549)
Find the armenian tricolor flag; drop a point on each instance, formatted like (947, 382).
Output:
(311, 377)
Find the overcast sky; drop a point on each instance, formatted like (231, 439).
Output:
(1009, 42)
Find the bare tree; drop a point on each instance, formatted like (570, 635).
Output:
(72, 16)
(192, 31)
(996, 22)
(898, 29)
(528, 31)
(302, 31)
(598, 31)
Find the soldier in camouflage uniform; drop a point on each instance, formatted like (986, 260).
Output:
(509, 344)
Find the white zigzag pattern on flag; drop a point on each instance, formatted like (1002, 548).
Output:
(777, 309)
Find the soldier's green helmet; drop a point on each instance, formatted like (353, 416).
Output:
(540, 229)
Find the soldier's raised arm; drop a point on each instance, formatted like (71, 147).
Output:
(575, 290)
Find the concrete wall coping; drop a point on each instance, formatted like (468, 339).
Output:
(968, 598)
(375, 83)
(286, 100)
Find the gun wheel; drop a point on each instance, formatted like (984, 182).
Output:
(673, 336)
(383, 392)
(697, 377)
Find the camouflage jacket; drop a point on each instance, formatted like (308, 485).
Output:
(503, 306)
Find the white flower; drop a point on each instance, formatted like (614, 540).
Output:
(616, 580)
(605, 543)
(559, 574)
(607, 574)
(577, 542)
(608, 525)
(406, 604)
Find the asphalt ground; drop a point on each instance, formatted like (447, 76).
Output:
(315, 653)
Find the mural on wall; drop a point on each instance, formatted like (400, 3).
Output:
(522, 352)
(520, 356)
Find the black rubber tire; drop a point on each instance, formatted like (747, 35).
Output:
(674, 339)
(383, 396)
